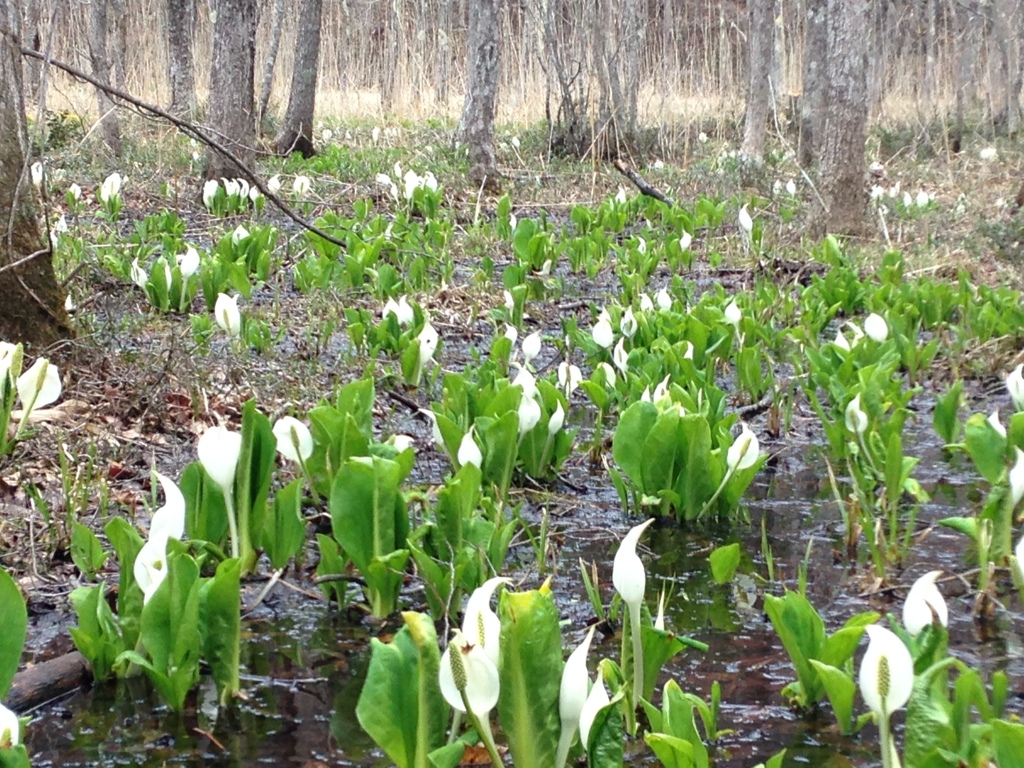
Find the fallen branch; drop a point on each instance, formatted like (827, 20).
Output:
(642, 184)
(189, 129)
(47, 680)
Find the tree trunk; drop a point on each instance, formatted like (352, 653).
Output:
(181, 24)
(965, 15)
(296, 133)
(760, 36)
(231, 113)
(476, 129)
(812, 98)
(842, 150)
(99, 54)
(444, 30)
(276, 23)
(1005, 23)
(31, 302)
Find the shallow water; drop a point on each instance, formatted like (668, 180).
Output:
(304, 663)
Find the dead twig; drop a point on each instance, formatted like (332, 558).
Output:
(642, 184)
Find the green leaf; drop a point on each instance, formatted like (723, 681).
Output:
(1008, 743)
(401, 706)
(127, 542)
(530, 674)
(605, 748)
(947, 409)
(14, 758)
(658, 454)
(724, 561)
(802, 633)
(221, 626)
(986, 447)
(364, 502)
(285, 531)
(635, 424)
(206, 516)
(671, 751)
(12, 638)
(967, 525)
(96, 636)
(87, 552)
(252, 480)
(660, 646)
(840, 689)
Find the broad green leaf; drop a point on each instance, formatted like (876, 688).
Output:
(127, 542)
(802, 633)
(401, 706)
(1008, 743)
(285, 531)
(660, 646)
(252, 480)
(929, 722)
(658, 454)
(724, 561)
(530, 673)
(15, 625)
(96, 636)
(671, 751)
(605, 747)
(986, 447)
(840, 689)
(220, 610)
(635, 424)
(15, 758)
(86, 550)
(364, 498)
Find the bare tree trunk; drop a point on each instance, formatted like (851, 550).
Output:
(33, 38)
(929, 88)
(760, 35)
(117, 38)
(444, 30)
(31, 303)
(181, 24)
(231, 113)
(1005, 24)
(812, 99)
(476, 129)
(110, 129)
(276, 23)
(842, 155)
(296, 133)
(966, 15)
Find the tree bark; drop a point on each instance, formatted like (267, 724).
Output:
(476, 128)
(760, 36)
(231, 113)
(31, 301)
(276, 23)
(1005, 23)
(181, 23)
(812, 99)
(99, 54)
(966, 15)
(842, 156)
(296, 133)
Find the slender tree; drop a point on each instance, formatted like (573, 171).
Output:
(231, 113)
(842, 150)
(276, 24)
(181, 23)
(296, 133)
(31, 303)
(815, 77)
(476, 128)
(100, 55)
(761, 38)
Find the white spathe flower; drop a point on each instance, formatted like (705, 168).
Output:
(37, 174)
(301, 185)
(569, 377)
(428, 341)
(294, 440)
(733, 315)
(8, 354)
(227, 314)
(138, 274)
(572, 695)
(922, 199)
(511, 333)
(987, 154)
(435, 430)
(620, 196)
(466, 668)
(111, 187)
(557, 420)
(661, 391)
(744, 451)
(375, 134)
(412, 182)
(529, 415)
(856, 418)
(239, 234)
(791, 187)
(609, 374)
(1017, 477)
(641, 246)
(886, 676)
(876, 328)
(628, 323)
(255, 195)
(1018, 553)
(10, 728)
(75, 191)
(515, 141)
(430, 181)
(188, 262)
(1015, 386)
(401, 309)
(628, 575)
(231, 187)
(746, 223)
(274, 184)
(646, 305)
(38, 386)
(603, 334)
(219, 449)
(841, 341)
(684, 241)
(996, 424)
(664, 300)
(469, 451)
(531, 347)
(527, 381)
(659, 619)
(596, 700)
(327, 135)
(402, 443)
(169, 520)
(924, 604)
(619, 356)
(150, 567)
(510, 302)
(480, 625)
(385, 181)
